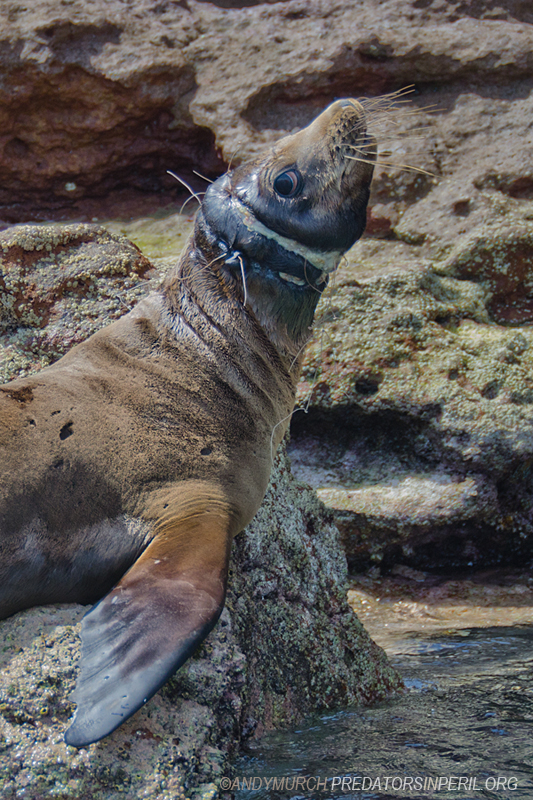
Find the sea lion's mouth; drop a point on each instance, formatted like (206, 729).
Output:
(302, 274)
(322, 261)
(291, 278)
(288, 278)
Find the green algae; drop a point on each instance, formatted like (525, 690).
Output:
(160, 237)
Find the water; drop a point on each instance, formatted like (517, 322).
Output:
(466, 717)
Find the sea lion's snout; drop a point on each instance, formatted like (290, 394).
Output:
(312, 187)
(308, 194)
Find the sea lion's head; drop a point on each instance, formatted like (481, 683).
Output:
(279, 224)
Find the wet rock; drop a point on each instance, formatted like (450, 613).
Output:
(287, 643)
(288, 601)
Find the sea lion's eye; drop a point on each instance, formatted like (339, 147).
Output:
(288, 183)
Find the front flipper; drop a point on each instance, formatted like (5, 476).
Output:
(151, 622)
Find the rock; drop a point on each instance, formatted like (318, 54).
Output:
(59, 285)
(97, 99)
(288, 602)
(167, 747)
(420, 392)
(287, 643)
(498, 257)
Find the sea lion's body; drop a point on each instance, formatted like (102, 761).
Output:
(91, 443)
(129, 465)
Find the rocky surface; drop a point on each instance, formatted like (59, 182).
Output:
(171, 744)
(287, 644)
(57, 285)
(420, 386)
(305, 648)
(106, 96)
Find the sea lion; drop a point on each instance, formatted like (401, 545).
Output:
(130, 464)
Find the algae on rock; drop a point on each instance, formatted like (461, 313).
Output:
(426, 369)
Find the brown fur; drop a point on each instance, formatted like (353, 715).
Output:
(139, 455)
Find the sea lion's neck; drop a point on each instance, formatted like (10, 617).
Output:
(237, 295)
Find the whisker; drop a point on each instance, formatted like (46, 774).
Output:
(402, 136)
(371, 147)
(245, 300)
(202, 176)
(406, 167)
(391, 97)
(184, 183)
(298, 354)
(390, 152)
(238, 147)
(393, 119)
(386, 122)
(379, 163)
(393, 135)
(192, 197)
(193, 194)
(281, 421)
(387, 110)
(406, 106)
(312, 285)
(411, 111)
(204, 268)
(362, 160)
(393, 124)
(210, 264)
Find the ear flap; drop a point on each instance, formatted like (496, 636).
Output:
(150, 623)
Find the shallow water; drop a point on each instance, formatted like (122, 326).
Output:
(465, 719)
